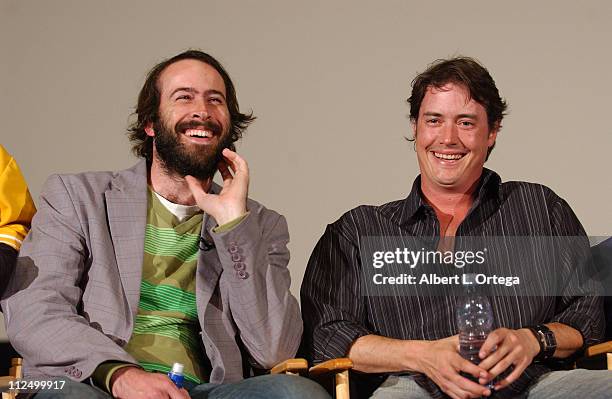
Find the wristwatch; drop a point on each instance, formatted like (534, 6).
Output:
(546, 339)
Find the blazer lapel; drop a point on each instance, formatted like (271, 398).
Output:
(209, 267)
(210, 304)
(126, 202)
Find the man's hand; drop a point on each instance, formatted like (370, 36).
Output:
(442, 363)
(230, 203)
(135, 383)
(504, 348)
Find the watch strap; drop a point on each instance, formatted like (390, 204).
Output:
(546, 339)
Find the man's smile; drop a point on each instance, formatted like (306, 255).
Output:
(199, 136)
(448, 158)
(198, 133)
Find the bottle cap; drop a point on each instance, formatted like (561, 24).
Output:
(177, 368)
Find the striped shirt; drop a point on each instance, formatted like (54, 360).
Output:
(166, 326)
(336, 312)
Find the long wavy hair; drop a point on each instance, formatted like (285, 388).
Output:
(147, 108)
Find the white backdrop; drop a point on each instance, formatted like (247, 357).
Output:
(328, 81)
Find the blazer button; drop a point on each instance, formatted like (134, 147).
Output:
(239, 266)
(236, 257)
(242, 274)
(233, 248)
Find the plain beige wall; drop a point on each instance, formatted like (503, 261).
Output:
(328, 81)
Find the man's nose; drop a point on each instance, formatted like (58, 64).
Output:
(201, 111)
(449, 134)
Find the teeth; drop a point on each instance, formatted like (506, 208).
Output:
(198, 133)
(448, 156)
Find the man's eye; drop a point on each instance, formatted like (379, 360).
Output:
(184, 97)
(216, 100)
(433, 120)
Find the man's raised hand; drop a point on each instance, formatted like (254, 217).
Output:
(230, 203)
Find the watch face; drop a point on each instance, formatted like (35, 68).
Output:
(550, 340)
(542, 338)
(548, 343)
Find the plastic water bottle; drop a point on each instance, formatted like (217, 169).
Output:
(474, 319)
(176, 374)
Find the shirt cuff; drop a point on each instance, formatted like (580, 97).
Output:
(230, 225)
(13, 235)
(103, 373)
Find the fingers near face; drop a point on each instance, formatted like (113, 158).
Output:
(235, 161)
(195, 186)
(224, 170)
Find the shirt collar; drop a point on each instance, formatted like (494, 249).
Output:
(415, 204)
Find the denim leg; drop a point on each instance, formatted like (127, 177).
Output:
(400, 387)
(72, 390)
(263, 387)
(579, 383)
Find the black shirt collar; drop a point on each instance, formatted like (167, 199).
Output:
(415, 204)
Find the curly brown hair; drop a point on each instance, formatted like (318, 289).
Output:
(147, 108)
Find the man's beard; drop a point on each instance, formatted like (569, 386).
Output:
(199, 161)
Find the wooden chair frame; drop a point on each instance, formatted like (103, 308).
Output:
(15, 373)
(340, 367)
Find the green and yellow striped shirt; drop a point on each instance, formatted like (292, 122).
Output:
(166, 327)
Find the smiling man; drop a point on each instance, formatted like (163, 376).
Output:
(405, 343)
(126, 273)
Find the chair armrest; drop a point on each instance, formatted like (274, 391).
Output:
(605, 347)
(332, 366)
(4, 381)
(340, 368)
(597, 357)
(291, 366)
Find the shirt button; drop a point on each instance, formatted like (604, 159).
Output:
(239, 266)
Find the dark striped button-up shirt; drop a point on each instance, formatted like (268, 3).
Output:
(336, 312)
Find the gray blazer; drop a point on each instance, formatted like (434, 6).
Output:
(71, 302)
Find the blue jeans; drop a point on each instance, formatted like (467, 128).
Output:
(262, 387)
(579, 383)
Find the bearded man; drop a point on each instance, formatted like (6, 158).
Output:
(126, 273)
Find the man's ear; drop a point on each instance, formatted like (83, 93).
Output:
(413, 126)
(149, 129)
(493, 134)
